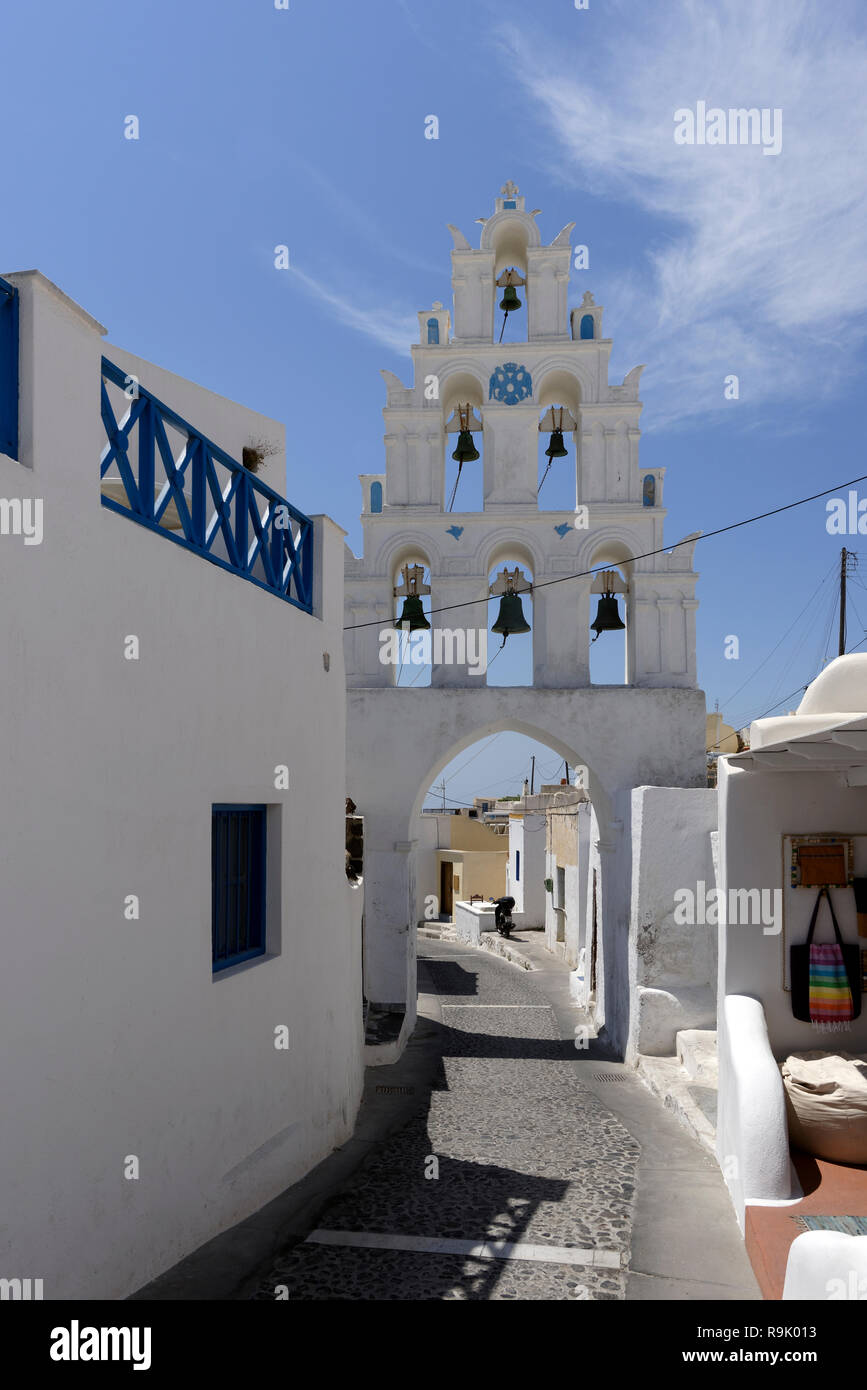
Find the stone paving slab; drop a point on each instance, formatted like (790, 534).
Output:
(314, 1272)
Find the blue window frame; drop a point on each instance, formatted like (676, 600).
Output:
(648, 492)
(517, 866)
(587, 326)
(509, 203)
(238, 860)
(376, 497)
(433, 331)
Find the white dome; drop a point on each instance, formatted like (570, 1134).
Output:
(840, 689)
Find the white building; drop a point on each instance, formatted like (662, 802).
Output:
(649, 730)
(180, 999)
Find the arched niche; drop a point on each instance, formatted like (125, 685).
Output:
(457, 392)
(586, 329)
(410, 655)
(558, 389)
(376, 497)
(515, 653)
(611, 660)
(433, 332)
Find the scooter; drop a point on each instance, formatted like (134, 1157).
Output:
(503, 915)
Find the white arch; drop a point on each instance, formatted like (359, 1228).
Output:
(389, 556)
(572, 367)
(598, 795)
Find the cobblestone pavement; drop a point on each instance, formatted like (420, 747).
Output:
(523, 1152)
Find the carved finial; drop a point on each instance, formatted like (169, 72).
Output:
(588, 299)
(509, 190)
(460, 241)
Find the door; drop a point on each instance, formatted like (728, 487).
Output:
(446, 888)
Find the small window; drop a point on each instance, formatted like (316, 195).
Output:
(433, 331)
(510, 203)
(238, 856)
(648, 495)
(376, 497)
(517, 866)
(587, 326)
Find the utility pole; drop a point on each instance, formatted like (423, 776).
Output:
(845, 557)
(441, 786)
(532, 772)
(567, 770)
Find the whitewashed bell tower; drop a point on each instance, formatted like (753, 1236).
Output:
(650, 730)
(510, 390)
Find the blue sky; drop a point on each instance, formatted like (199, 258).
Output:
(306, 127)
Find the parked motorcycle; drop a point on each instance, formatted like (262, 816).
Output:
(503, 915)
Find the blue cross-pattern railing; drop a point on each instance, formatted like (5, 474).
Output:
(8, 369)
(234, 520)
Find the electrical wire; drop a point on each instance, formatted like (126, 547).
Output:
(822, 582)
(647, 554)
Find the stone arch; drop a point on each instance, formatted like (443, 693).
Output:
(510, 234)
(454, 743)
(461, 381)
(407, 545)
(558, 382)
(608, 545)
(508, 541)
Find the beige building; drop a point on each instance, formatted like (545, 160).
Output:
(459, 857)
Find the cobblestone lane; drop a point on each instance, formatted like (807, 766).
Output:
(525, 1155)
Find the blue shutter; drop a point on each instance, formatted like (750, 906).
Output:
(587, 326)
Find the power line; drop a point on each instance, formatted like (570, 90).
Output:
(646, 555)
(822, 582)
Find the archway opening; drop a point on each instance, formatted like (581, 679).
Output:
(608, 627)
(410, 651)
(513, 817)
(510, 609)
(464, 435)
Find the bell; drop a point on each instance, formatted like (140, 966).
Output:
(556, 449)
(607, 616)
(510, 299)
(413, 613)
(466, 450)
(511, 616)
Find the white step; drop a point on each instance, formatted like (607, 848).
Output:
(697, 1054)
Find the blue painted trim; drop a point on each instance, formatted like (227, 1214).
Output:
(250, 880)
(376, 498)
(9, 369)
(587, 327)
(284, 564)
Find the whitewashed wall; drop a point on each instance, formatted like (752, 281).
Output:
(672, 963)
(116, 1038)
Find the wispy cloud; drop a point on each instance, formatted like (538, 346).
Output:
(391, 327)
(758, 264)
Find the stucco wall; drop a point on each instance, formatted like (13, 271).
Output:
(672, 963)
(756, 810)
(117, 1040)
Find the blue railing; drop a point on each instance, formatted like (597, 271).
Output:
(199, 497)
(8, 369)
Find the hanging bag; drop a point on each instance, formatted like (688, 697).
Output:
(826, 980)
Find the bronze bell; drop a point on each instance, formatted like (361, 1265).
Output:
(556, 449)
(466, 450)
(511, 616)
(413, 614)
(607, 616)
(510, 299)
